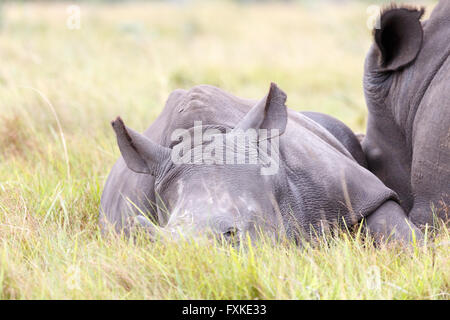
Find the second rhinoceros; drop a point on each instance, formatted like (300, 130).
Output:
(407, 89)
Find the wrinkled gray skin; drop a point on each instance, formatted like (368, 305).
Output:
(318, 185)
(407, 89)
(341, 132)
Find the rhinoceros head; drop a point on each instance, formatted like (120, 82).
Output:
(223, 183)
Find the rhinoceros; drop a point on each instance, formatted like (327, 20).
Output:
(407, 90)
(340, 131)
(302, 180)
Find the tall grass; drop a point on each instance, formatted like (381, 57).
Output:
(59, 89)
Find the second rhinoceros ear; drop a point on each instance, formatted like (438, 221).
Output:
(398, 37)
(269, 113)
(141, 155)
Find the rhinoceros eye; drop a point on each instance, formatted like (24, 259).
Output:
(231, 233)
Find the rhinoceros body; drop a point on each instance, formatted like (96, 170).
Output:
(317, 182)
(407, 88)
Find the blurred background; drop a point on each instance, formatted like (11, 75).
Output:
(74, 66)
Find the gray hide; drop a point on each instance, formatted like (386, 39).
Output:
(407, 89)
(317, 186)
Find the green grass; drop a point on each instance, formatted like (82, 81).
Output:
(59, 89)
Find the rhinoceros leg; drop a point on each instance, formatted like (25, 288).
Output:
(390, 222)
(430, 181)
(430, 169)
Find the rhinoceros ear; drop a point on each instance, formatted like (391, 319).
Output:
(269, 113)
(140, 154)
(399, 37)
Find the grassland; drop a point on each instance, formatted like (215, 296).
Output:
(59, 88)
